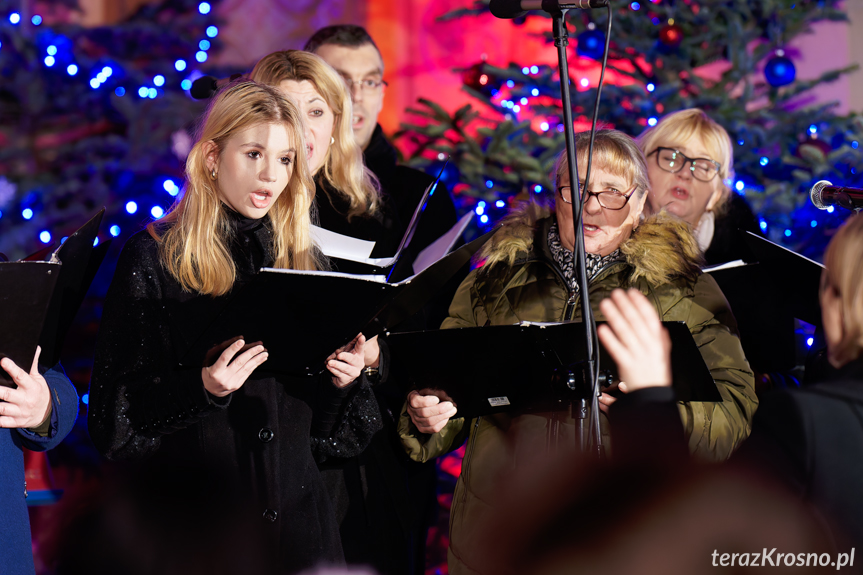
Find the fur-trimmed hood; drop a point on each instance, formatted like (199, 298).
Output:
(660, 249)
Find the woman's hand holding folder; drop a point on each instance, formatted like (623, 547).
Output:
(428, 413)
(346, 363)
(228, 374)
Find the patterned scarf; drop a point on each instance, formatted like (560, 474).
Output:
(565, 261)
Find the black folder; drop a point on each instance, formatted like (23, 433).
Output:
(392, 268)
(80, 261)
(301, 317)
(39, 299)
(25, 294)
(765, 296)
(524, 367)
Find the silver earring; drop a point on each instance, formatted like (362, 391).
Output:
(332, 140)
(213, 175)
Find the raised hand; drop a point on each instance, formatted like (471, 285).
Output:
(30, 404)
(347, 362)
(636, 340)
(226, 376)
(428, 412)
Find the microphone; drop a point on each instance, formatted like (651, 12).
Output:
(205, 86)
(515, 8)
(825, 194)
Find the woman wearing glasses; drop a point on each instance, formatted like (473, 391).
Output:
(528, 276)
(689, 161)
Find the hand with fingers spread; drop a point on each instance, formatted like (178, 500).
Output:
(637, 341)
(428, 413)
(346, 363)
(30, 404)
(226, 376)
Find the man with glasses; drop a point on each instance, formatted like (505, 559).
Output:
(355, 56)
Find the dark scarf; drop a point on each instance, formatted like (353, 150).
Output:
(564, 259)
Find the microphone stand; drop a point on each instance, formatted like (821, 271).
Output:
(561, 41)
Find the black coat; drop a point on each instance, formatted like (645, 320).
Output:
(141, 406)
(728, 243)
(811, 439)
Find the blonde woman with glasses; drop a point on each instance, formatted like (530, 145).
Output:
(690, 162)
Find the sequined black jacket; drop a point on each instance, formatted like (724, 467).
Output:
(141, 406)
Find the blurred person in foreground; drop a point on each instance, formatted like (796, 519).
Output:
(528, 275)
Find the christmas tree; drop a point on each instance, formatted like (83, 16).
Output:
(93, 117)
(725, 56)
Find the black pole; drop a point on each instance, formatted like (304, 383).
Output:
(561, 41)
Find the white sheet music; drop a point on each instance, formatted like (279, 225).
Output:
(443, 245)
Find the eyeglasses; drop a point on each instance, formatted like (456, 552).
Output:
(608, 199)
(367, 85)
(670, 160)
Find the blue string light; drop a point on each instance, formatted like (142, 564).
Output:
(830, 209)
(739, 185)
(651, 87)
(813, 223)
(51, 50)
(71, 69)
(14, 18)
(635, 6)
(854, 144)
(763, 161)
(810, 341)
(516, 108)
(95, 242)
(813, 129)
(510, 83)
(120, 91)
(45, 237)
(500, 203)
(489, 184)
(525, 70)
(204, 44)
(157, 212)
(95, 83)
(85, 399)
(534, 69)
(115, 230)
(534, 92)
(787, 233)
(27, 213)
(483, 219)
(143, 91)
(212, 31)
(159, 80)
(50, 61)
(201, 56)
(544, 126)
(180, 65)
(152, 93)
(131, 207)
(186, 84)
(763, 225)
(523, 101)
(36, 20)
(537, 189)
(204, 7)
(479, 210)
(651, 121)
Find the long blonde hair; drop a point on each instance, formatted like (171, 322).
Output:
(195, 235)
(844, 275)
(343, 166)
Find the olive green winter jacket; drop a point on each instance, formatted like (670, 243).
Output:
(520, 282)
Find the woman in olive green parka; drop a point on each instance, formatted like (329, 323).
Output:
(527, 276)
